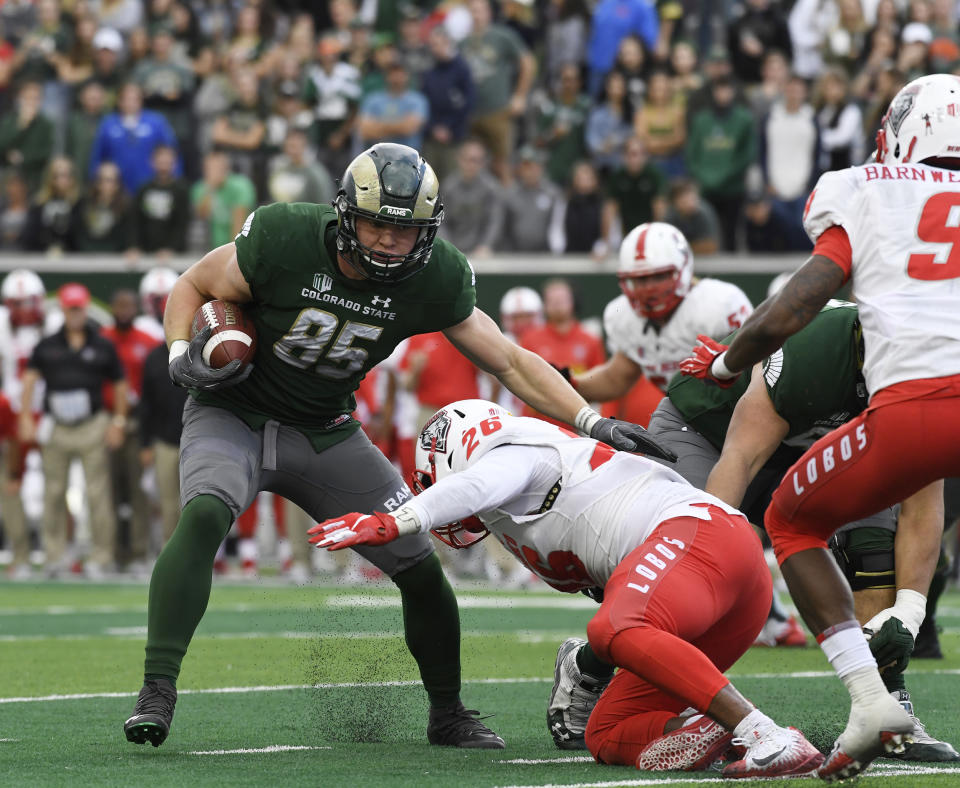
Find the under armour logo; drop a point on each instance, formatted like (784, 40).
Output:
(378, 301)
(322, 282)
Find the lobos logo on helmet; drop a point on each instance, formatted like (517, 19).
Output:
(434, 433)
(901, 107)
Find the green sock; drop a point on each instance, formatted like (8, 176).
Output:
(180, 585)
(592, 665)
(431, 623)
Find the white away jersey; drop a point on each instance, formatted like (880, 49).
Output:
(576, 506)
(903, 223)
(16, 345)
(711, 307)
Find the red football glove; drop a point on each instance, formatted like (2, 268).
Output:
(700, 364)
(354, 529)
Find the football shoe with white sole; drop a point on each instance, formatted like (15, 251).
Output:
(873, 729)
(572, 699)
(775, 752)
(923, 747)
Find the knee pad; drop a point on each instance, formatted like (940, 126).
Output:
(865, 556)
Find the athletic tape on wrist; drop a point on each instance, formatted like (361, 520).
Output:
(177, 349)
(911, 609)
(407, 520)
(719, 370)
(585, 419)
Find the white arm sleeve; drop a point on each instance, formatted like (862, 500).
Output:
(498, 477)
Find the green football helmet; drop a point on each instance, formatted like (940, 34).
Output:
(391, 184)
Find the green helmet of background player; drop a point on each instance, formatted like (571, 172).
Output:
(392, 184)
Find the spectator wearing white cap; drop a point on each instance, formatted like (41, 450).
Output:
(521, 308)
(108, 62)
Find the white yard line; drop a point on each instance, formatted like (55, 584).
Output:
(565, 602)
(249, 750)
(406, 683)
(892, 770)
(535, 761)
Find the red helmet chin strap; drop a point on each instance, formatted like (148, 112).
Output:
(881, 145)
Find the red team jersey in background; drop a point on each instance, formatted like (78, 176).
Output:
(577, 349)
(133, 346)
(447, 377)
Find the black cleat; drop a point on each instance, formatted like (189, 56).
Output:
(153, 713)
(455, 726)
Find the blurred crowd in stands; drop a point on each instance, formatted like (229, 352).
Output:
(155, 126)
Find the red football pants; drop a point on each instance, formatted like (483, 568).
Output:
(907, 438)
(677, 611)
(249, 519)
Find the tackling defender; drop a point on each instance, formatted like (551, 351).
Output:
(888, 227)
(580, 515)
(737, 443)
(331, 291)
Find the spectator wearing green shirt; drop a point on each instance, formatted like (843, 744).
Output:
(26, 136)
(222, 199)
(561, 123)
(720, 148)
(635, 194)
(503, 71)
(83, 123)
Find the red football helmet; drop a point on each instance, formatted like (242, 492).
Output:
(437, 444)
(655, 269)
(23, 293)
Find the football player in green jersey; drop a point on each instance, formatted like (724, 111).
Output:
(331, 291)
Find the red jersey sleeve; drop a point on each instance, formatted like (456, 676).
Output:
(834, 244)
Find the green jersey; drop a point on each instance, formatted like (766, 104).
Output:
(814, 382)
(318, 332)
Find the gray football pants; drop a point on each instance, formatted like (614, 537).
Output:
(221, 456)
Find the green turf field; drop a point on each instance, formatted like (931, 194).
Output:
(313, 686)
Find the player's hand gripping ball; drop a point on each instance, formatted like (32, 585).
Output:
(218, 355)
(232, 335)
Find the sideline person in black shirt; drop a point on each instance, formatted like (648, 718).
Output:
(74, 364)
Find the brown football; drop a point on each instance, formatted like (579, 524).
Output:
(233, 333)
